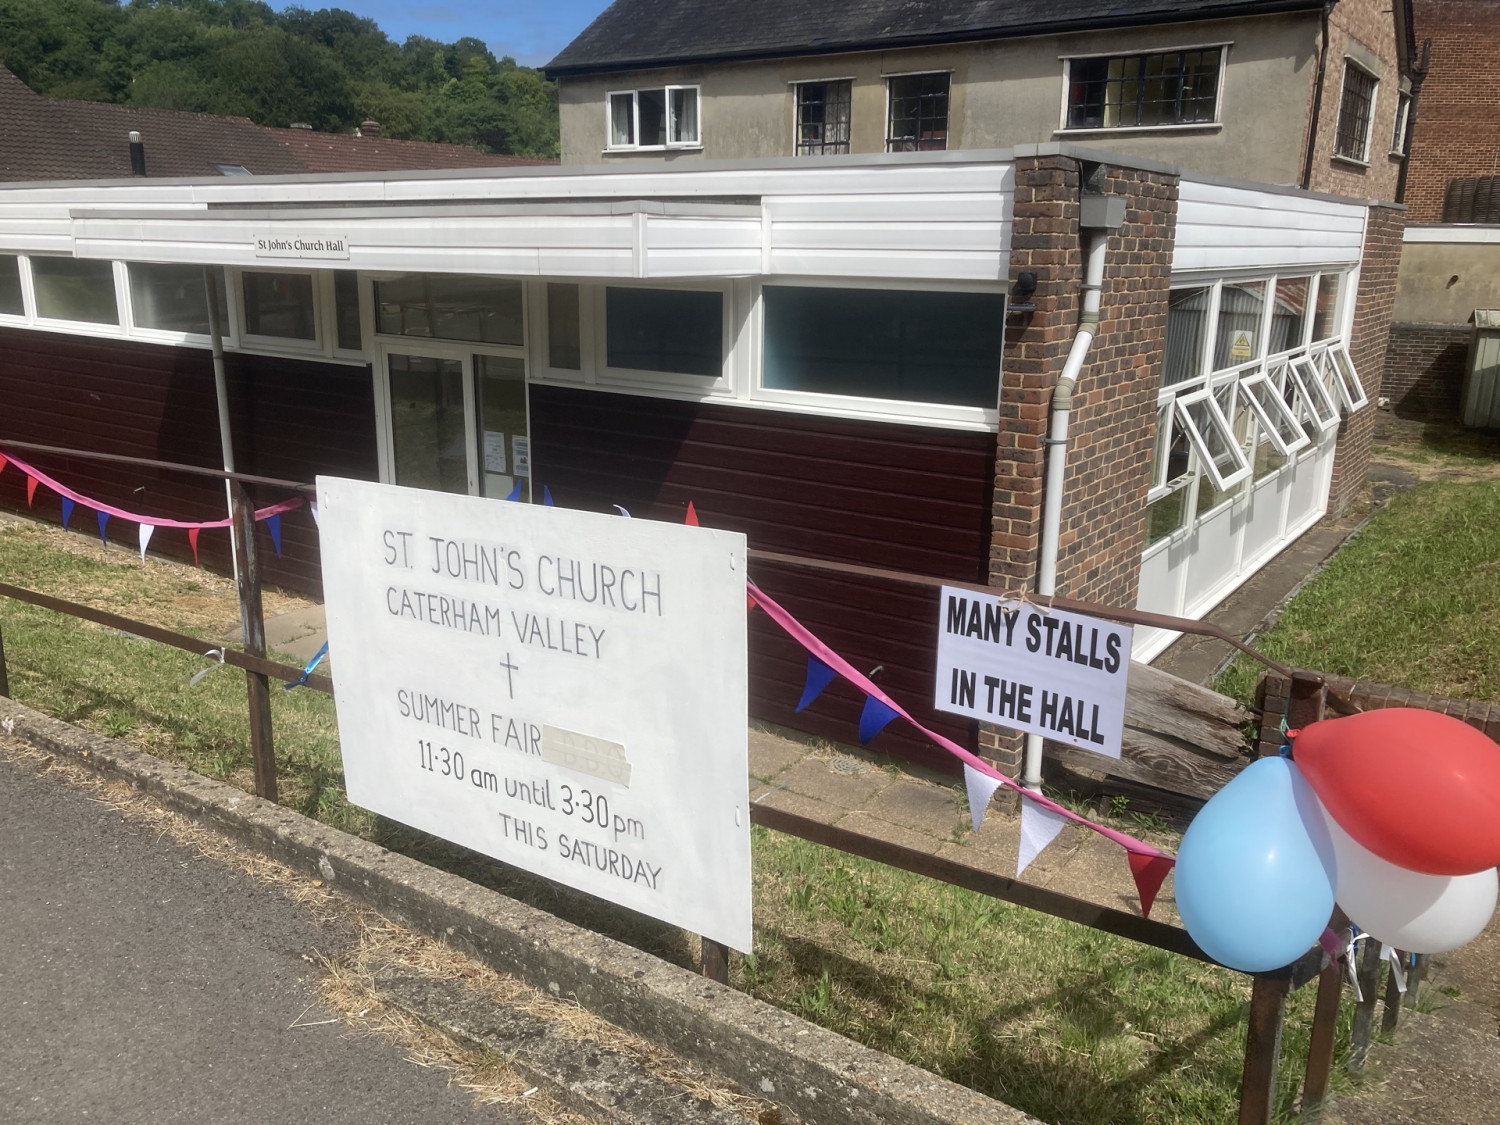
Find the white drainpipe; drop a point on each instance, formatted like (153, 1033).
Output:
(1057, 458)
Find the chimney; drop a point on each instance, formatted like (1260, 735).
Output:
(137, 155)
(369, 127)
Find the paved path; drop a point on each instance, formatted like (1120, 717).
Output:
(142, 983)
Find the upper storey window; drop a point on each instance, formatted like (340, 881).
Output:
(1352, 140)
(662, 117)
(918, 115)
(1145, 91)
(823, 117)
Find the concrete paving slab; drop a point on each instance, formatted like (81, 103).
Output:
(848, 789)
(771, 753)
(788, 801)
(926, 808)
(867, 825)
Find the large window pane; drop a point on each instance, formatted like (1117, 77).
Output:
(504, 440)
(75, 289)
(484, 310)
(427, 423)
(1289, 313)
(10, 285)
(823, 117)
(1165, 515)
(172, 298)
(563, 350)
(674, 330)
(683, 108)
(1133, 91)
(279, 304)
(918, 113)
(1325, 315)
(652, 108)
(1238, 337)
(621, 119)
(883, 343)
(1187, 320)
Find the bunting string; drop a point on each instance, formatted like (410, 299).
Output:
(1148, 865)
(35, 475)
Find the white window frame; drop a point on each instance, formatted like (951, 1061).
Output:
(1063, 129)
(635, 119)
(886, 127)
(627, 377)
(34, 318)
(853, 406)
(1346, 277)
(1339, 366)
(1272, 427)
(1398, 132)
(285, 345)
(539, 337)
(168, 336)
(1208, 397)
(1303, 371)
(28, 306)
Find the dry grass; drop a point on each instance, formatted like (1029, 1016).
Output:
(349, 980)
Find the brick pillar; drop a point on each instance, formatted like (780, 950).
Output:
(1371, 334)
(1044, 241)
(1113, 423)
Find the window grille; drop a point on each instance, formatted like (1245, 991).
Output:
(823, 118)
(1135, 91)
(1352, 140)
(918, 113)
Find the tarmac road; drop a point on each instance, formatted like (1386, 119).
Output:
(142, 983)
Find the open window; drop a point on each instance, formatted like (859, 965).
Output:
(661, 117)
(1316, 401)
(1213, 440)
(1277, 422)
(1340, 369)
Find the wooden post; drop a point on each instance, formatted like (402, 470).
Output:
(715, 961)
(1324, 1029)
(1364, 1012)
(1262, 1048)
(258, 687)
(1391, 1017)
(1414, 977)
(4, 674)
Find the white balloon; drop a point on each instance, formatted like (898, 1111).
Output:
(1407, 909)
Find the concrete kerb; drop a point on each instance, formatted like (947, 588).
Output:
(815, 1073)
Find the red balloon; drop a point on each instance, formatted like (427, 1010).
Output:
(1419, 789)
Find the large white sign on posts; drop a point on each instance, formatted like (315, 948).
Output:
(1045, 671)
(563, 691)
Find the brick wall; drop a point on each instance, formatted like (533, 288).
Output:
(1113, 423)
(1366, 31)
(1274, 689)
(1457, 130)
(1424, 370)
(1367, 344)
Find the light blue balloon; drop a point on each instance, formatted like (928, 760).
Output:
(1256, 870)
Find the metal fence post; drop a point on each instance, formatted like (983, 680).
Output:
(258, 687)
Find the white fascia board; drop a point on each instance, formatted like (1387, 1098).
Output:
(1451, 232)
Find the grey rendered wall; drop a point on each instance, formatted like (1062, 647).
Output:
(1005, 92)
(1444, 282)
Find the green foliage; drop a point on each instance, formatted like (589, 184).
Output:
(329, 68)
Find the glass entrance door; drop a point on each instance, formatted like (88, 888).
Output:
(457, 422)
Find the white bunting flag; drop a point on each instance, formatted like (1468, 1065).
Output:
(981, 787)
(314, 508)
(146, 530)
(1039, 827)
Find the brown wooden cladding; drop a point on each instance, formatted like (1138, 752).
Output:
(902, 497)
(292, 419)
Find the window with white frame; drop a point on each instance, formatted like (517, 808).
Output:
(658, 117)
(917, 117)
(1398, 131)
(443, 306)
(1144, 91)
(279, 306)
(1326, 321)
(925, 346)
(1356, 109)
(1319, 412)
(77, 289)
(1212, 439)
(823, 110)
(11, 300)
(1338, 370)
(172, 298)
(671, 331)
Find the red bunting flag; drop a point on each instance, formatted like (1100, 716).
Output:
(692, 515)
(31, 483)
(3, 462)
(193, 541)
(1148, 871)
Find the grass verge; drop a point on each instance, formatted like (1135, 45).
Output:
(1064, 1022)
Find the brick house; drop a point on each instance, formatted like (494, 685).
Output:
(849, 355)
(1450, 262)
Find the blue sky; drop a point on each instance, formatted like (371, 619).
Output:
(530, 31)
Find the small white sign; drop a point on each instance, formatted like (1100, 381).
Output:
(520, 445)
(1049, 672)
(494, 452)
(317, 246)
(564, 691)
